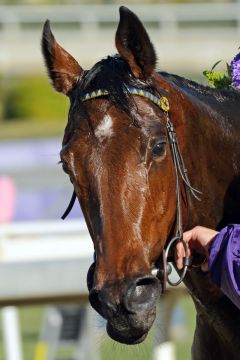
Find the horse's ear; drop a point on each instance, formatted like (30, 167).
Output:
(63, 69)
(134, 45)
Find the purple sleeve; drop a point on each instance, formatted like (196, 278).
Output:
(224, 262)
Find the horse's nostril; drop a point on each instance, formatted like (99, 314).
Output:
(146, 281)
(142, 293)
(102, 302)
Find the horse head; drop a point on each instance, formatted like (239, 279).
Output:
(116, 153)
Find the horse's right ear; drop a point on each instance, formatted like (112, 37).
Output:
(63, 69)
(134, 45)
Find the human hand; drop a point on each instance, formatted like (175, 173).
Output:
(197, 239)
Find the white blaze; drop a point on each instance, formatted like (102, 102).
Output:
(105, 128)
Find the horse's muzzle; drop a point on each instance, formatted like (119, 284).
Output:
(129, 307)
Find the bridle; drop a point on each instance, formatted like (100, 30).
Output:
(163, 270)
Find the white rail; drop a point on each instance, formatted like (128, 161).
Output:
(162, 14)
(188, 37)
(44, 261)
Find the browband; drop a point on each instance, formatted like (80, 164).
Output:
(160, 101)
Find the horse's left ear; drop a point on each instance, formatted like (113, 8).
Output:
(134, 45)
(63, 69)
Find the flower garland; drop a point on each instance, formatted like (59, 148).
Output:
(228, 79)
(235, 66)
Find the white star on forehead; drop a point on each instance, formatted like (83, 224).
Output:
(105, 128)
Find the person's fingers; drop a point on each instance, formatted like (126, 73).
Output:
(195, 238)
(179, 254)
(187, 235)
(199, 238)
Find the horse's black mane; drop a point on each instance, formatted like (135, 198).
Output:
(193, 87)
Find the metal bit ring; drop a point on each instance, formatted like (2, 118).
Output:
(186, 262)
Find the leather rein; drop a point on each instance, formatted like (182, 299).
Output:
(163, 269)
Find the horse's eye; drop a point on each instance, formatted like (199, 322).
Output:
(64, 167)
(158, 149)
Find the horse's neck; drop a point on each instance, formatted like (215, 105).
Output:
(210, 135)
(213, 149)
(208, 127)
(215, 170)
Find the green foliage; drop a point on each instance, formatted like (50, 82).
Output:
(32, 98)
(219, 79)
(1, 97)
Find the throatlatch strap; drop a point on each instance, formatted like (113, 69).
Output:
(70, 206)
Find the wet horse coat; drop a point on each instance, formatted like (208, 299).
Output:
(116, 152)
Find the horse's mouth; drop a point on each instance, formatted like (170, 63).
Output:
(127, 338)
(130, 329)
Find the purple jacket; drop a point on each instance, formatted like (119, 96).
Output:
(224, 262)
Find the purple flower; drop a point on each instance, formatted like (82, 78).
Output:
(235, 66)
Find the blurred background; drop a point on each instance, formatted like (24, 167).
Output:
(43, 262)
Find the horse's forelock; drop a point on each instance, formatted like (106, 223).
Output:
(114, 75)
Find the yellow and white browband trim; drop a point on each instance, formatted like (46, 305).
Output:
(161, 101)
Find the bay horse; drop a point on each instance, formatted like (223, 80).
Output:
(117, 153)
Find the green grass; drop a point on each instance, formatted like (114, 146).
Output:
(31, 318)
(143, 351)
(183, 345)
(31, 129)
(32, 97)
